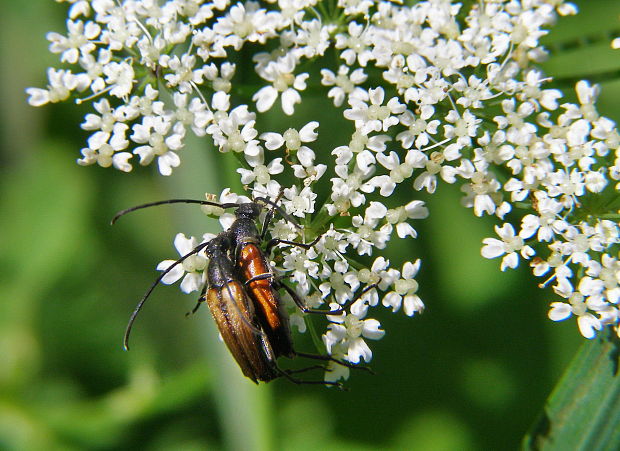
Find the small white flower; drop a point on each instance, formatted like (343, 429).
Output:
(192, 268)
(510, 245)
(405, 291)
(192, 113)
(587, 322)
(374, 116)
(78, 42)
(482, 193)
(313, 37)
(260, 173)
(154, 131)
(226, 133)
(291, 138)
(348, 332)
(356, 45)
(105, 149)
(420, 129)
(399, 217)
(368, 231)
(307, 170)
(587, 97)
(284, 82)
(343, 83)
(246, 22)
(120, 76)
(301, 203)
(220, 79)
(61, 84)
(463, 127)
(182, 73)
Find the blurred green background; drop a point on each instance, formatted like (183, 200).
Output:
(472, 372)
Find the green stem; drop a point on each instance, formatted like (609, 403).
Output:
(319, 222)
(316, 340)
(588, 40)
(600, 77)
(244, 409)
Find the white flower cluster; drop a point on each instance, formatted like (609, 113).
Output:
(322, 272)
(561, 167)
(430, 93)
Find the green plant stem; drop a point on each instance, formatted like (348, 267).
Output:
(244, 409)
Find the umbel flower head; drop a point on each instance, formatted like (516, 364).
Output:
(426, 93)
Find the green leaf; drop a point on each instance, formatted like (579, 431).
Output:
(583, 411)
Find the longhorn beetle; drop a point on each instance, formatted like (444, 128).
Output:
(234, 315)
(251, 267)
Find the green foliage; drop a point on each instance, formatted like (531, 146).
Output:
(583, 412)
(471, 373)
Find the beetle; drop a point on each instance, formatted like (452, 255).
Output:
(253, 268)
(250, 266)
(234, 315)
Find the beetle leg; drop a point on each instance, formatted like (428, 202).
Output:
(274, 242)
(200, 300)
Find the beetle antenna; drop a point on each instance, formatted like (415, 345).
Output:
(284, 214)
(150, 290)
(172, 201)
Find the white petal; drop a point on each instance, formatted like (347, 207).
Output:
(98, 139)
(510, 261)
(559, 311)
(308, 132)
(275, 167)
(121, 161)
(300, 81)
(265, 98)
(289, 98)
(410, 270)
(184, 245)
(298, 322)
(412, 304)
(335, 372)
(358, 349)
(380, 264)
(416, 209)
(334, 335)
(272, 140)
(220, 101)
(483, 204)
(388, 187)
(168, 161)
(492, 248)
(175, 273)
(252, 149)
(588, 325)
(359, 308)
(376, 210)
(365, 160)
(404, 229)
(372, 329)
(305, 156)
(392, 299)
(425, 180)
(175, 141)
(247, 176)
(505, 232)
(376, 95)
(37, 96)
(191, 282)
